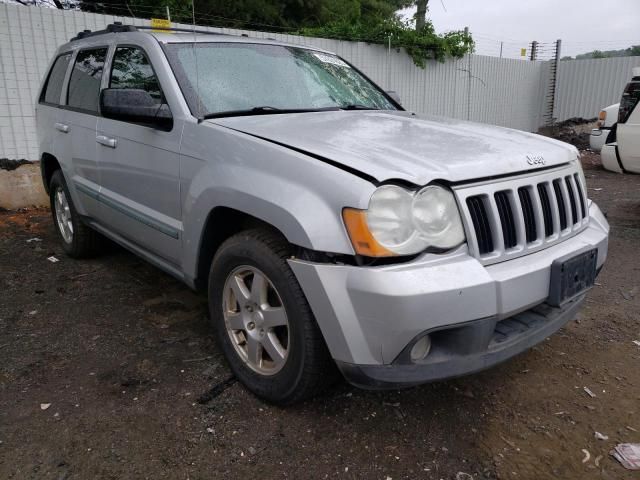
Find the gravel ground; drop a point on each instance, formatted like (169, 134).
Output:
(108, 370)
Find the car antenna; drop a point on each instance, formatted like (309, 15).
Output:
(195, 59)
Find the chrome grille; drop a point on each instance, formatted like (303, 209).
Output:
(516, 216)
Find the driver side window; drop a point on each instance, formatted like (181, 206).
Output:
(131, 69)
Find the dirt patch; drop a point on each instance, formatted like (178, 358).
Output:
(124, 355)
(575, 131)
(6, 164)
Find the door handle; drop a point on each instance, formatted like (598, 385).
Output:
(61, 127)
(106, 141)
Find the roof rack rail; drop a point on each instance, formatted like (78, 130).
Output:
(114, 27)
(178, 29)
(117, 27)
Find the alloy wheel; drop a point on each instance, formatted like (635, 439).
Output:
(256, 320)
(63, 215)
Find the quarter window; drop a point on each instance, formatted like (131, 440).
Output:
(84, 84)
(53, 87)
(132, 69)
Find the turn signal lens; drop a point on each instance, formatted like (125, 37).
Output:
(602, 117)
(361, 238)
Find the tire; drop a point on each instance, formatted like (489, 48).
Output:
(307, 366)
(77, 239)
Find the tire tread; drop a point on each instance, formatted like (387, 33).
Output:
(319, 370)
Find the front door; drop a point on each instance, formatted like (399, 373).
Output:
(628, 131)
(139, 167)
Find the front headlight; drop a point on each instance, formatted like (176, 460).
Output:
(402, 222)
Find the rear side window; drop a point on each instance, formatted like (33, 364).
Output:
(629, 100)
(84, 84)
(53, 87)
(132, 69)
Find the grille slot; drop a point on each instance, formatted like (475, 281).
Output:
(513, 217)
(572, 201)
(546, 209)
(528, 214)
(561, 205)
(580, 195)
(481, 226)
(506, 219)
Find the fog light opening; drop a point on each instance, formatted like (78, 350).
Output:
(421, 349)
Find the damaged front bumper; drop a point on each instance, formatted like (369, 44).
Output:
(476, 315)
(463, 349)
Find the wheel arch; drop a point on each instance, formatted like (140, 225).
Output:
(222, 222)
(48, 166)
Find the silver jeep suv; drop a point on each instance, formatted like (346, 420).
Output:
(329, 226)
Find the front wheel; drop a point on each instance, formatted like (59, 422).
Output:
(263, 322)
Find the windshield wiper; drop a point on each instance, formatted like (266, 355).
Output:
(264, 110)
(357, 106)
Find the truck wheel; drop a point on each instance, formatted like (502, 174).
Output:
(78, 240)
(263, 322)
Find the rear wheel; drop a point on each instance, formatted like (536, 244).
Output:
(77, 239)
(263, 322)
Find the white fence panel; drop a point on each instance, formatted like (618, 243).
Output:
(587, 86)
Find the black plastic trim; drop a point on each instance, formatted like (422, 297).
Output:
(531, 230)
(546, 209)
(114, 27)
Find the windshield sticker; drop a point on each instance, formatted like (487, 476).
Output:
(330, 59)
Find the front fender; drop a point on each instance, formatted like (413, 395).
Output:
(302, 197)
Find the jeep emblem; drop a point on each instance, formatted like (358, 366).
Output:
(535, 160)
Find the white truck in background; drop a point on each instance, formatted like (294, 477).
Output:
(605, 132)
(622, 154)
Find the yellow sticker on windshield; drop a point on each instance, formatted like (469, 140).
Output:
(323, 57)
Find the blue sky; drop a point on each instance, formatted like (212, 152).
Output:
(583, 25)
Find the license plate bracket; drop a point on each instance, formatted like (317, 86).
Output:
(571, 276)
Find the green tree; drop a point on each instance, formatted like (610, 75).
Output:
(421, 13)
(372, 21)
(625, 52)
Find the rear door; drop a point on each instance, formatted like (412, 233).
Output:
(52, 134)
(628, 130)
(139, 164)
(80, 119)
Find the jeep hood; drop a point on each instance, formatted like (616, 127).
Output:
(401, 145)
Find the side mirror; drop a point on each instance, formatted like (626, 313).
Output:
(134, 105)
(393, 94)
